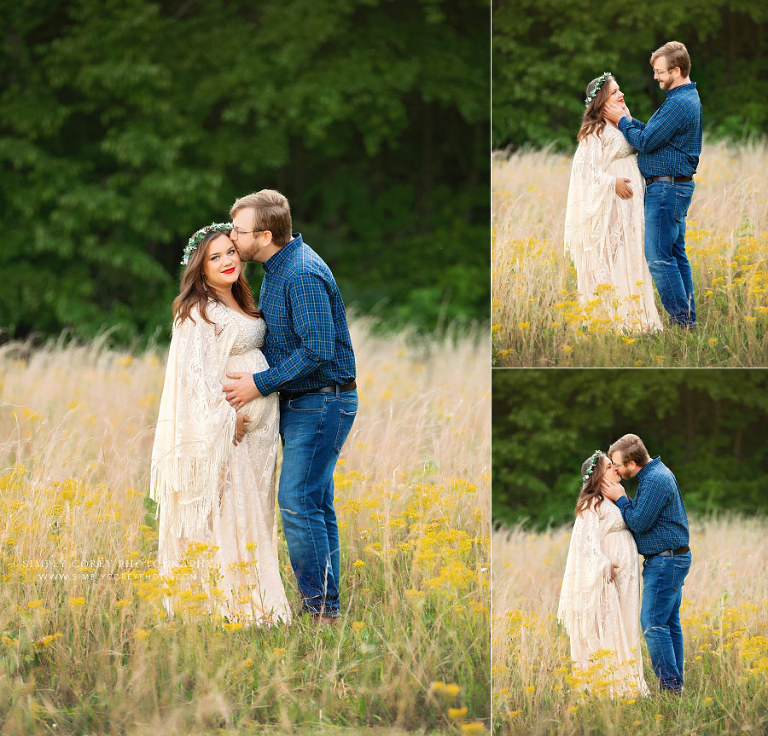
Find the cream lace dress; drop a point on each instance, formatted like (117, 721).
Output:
(600, 615)
(605, 234)
(216, 502)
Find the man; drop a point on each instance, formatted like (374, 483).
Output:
(668, 146)
(656, 517)
(312, 366)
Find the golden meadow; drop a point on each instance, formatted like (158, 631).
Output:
(86, 645)
(537, 317)
(725, 628)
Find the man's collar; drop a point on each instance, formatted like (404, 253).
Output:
(642, 471)
(275, 261)
(688, 85)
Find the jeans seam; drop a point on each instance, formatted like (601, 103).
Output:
(660, 262)
(664, 568)
(307, 525)
(306, 521)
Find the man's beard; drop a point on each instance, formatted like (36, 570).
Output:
(247, 253)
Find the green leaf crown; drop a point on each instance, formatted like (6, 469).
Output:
(600, 83)
(592, 463)
(196, 239)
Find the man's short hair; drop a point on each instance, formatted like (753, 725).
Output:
(631, 448)
(273, 213)
(676, 55)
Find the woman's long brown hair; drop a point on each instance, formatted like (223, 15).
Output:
(591, 488)
(195, 292)
(592, 121)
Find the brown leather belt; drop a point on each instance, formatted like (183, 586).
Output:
(678, 551)
(651, 179)
(322, 390)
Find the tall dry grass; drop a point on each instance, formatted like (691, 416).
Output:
(86, 646)
(537, 318)
(725, 629)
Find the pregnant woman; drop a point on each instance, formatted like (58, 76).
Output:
(212, 467)
(600, 597)
(605, 220)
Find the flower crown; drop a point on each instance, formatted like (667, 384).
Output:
(196, 239)
(592, 462)
(600, 82)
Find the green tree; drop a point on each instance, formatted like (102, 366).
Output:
(546, 51)
(125, 126)
(708, 426)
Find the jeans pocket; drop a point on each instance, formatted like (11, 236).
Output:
(346, 419)
(654, 191)
(309, 403)
(682, 203)
(681, 566)
(347, 403)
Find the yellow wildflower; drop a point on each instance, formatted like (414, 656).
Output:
(475, 727)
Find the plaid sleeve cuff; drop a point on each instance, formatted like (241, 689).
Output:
(622, 501)
(260, 379)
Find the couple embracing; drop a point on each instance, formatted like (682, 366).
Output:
(239, 379)
(630, 189)
(600, 597)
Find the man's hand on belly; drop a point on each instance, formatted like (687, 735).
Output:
(241, 391)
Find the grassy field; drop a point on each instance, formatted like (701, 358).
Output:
(725, 627)
(537, 318)
(86, 646)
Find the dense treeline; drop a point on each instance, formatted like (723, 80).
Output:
(546, 51)
(125, 126)
(709, 426)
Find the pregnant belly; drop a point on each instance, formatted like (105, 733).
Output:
(263, 410)
(620, 548)
(626, 168)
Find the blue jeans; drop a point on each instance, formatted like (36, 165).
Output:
(663, 578)
(666, 205)
(313, 428)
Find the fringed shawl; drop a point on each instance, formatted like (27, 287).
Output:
(591, 196)
(586, 579)
(195, 425)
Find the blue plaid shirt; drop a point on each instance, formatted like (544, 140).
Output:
(656, 515)
(669, 144)
(307, 344)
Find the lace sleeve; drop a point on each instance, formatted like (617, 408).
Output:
(591, 195)
(195, 428)
(587, 575)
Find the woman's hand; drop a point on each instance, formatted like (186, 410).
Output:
(623, 189)
(240, 428)
(611, 572)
